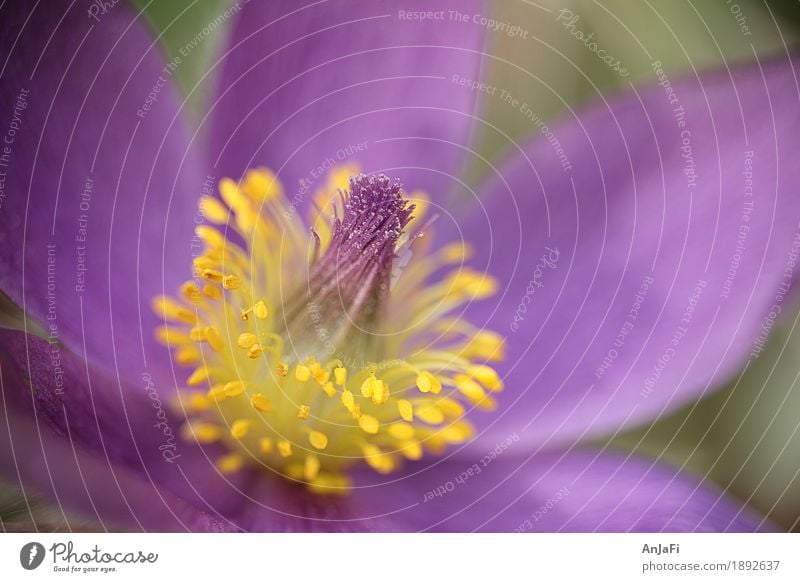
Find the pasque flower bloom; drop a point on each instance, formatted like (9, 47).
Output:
(342, 337)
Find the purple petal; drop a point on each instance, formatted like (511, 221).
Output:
(113, 427)
(577, 492)
(85, 486)
(99, 191)
(641, 276)
(326, 83)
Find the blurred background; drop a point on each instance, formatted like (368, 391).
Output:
(745, 437)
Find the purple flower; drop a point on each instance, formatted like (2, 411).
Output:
(335, 349)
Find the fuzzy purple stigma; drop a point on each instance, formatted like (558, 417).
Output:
(348, 285)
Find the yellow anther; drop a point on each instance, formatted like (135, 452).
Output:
(212, 292)
(261, 402)
(255, 351)
(349, 400)
(406, 410)
(212, 237)
(340, 374)
(320, 375)
(204, 262)
(457, 433)
(230, 463)
(199, 376)
(213, 210)
(303, 411)
(198, 402)
(328, 389)
(430, 414)
(474, 285)
(205, 433)
(233, 389)
(284, 448)
(191, 292)
(401, 430)
(216, 394)
(260, 310)
(427, 382)
(411, 450)
(302, 373)
(214, 338)
(172, 310)
(456, 253)
(380, 392)
(211, 275)
(231, 282)
(311, 467)
(330, 484)
(261, 184)
(486, 345)
(188, 355)
(356, 412)
(469, 388)
(282, 369)
(486, 376)
(378, 460)
(240, 428)
(246, 340)
(318, 440)
(229, 190)
(265, 445)
(369, 424)
(171, 337)
(197, 334)
(368, 387)
(450, 407)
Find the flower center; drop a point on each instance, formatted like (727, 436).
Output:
(311, 353)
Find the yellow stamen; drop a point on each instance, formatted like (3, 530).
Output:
(261, 402)
(369, 424)
(240, 428)
(317, 439)
(252, 370)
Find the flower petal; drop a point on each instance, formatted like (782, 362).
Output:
(85, 486)
(99, 185)
(114, 427)
(306, 87)
(645, 253)
(578, 491)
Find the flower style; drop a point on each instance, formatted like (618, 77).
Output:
(298, 317)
